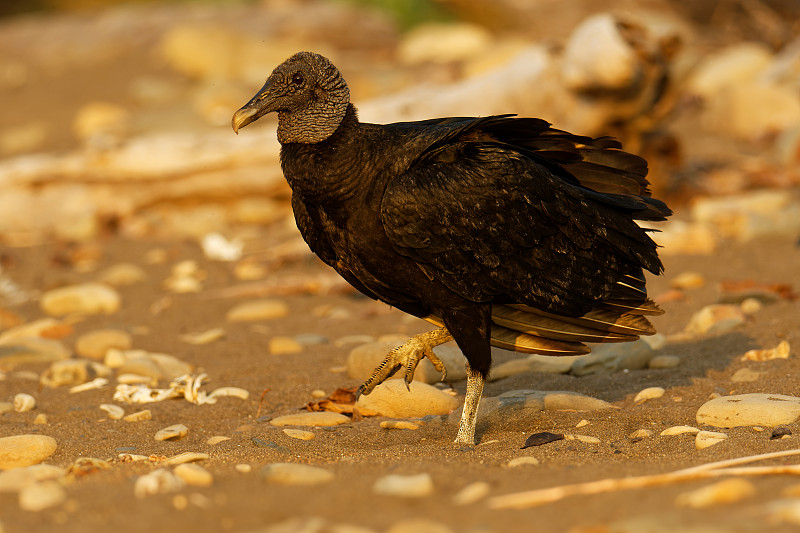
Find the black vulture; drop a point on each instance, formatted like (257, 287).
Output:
(498, 230)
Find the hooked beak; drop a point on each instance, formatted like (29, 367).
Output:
(257, 107)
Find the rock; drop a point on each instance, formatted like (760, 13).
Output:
(178, 431)
(139, 416)
(318, 419)
(587, 439)
(194, 475)
(16, 479)
(32, 350)
(36, 329)
(687, 280)
(73, 372)
(258, 310)
(745, 375)
(715, 319)
(41, 418)
(704, 439)
(640, 434)
(725, 491)
(649, 393)
(664, 361)
(96, 343)
(567, 401)
(217, 248)
(533, 363)
(442, 43)
(205, 337)
(418, 525)
(295, 474)
(751, 306)
(161, 481)
(216, 439)
(123, 275)
(542, 438)
(523, 461)
(299, 434)
(284, 346)
(25, 450)
(414, 486)
(392, 399)
(362, 361)
(598, 57)
(150, 364)
(755, 409)
(41, 495)
(779, 352)
(472, 493)
(24, 402)
(679, 430)
(399, 424)
(186, 457)
(609, 358)
(85, 299)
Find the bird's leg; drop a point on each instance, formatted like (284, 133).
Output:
(408, 355)
(469, 416)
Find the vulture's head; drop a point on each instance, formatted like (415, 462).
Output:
(309, 95)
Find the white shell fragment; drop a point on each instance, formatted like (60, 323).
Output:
(186, 457)
(704, 439)
(96, 383)
(649, 393)
(185, 386)
(205, 337)
(588, 439)
(24, 402)
(139, 416)
(217, 248)
(781, 351)
(172, 432)
(679, 430)
(115, 412)
(236, 392)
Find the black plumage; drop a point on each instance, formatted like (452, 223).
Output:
(499, 230)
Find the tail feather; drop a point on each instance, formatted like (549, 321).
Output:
(510, 339)
(550, 328)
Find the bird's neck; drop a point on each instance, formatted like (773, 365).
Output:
(315, 122)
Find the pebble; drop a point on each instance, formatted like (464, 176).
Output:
(751, 306)
(204, 337)
(704, 439)
(679, 430)
(86, 299)
(318, 394)
(83, 466)
(123, 275)
(32, 351)
(522, 461)
(216, 439)
(320, 419)
(649, 393)
(255, 310)
(725, 491)
(779, 352)
(161, 481)
(610, 358)
(392, 399)
(243, 468)
(139, 416)
(533, 363)
(16, 479)
(95, 344)
(41, 418)
(194, 475)
(780, 432)
(413, 486)
(144, 363)
(640, 434)
(418, 525)
(295, 474)
(664, 361)
(284, 346)
(755, 409)
(186, 457)
(745, 375)
(177, 431)
(25, 450)
(398, 424)
(688, 280)
(24, 402)
(299, 434)
(541, 438)
(472, 493)
(41, 495)
(71, 372)
(715, 319)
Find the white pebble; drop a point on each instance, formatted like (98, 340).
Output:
(678, 430)
(299, 434)
(320, 419)
(756, 409)
(176, 431)
(649, 393)
(414, 486)
(664, 361)
(471, 493)
(25, 450)
(87, 298)
(704, 439)
(159, 481)
(243, 468)
(194, 475)
(24, 402)
(217, 439)
(186, 457)
(399, 424)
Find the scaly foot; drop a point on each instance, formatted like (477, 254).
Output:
(408, 355)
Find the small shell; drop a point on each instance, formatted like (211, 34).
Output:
(649, 393)
(115, 412)
(678, 430)
(230, 391)
(97, 383)
(704, 439)
(176, 431)
(186, 457)
(24, 402)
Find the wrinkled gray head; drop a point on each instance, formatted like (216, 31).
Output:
(309, 94)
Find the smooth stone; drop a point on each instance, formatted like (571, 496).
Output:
(161, 481)
(41, 418)
(16, 479)
(299, 434)
(414, 486)
(392, 399)
(745, 375)
(185, 458)
(194, 475)
(640, 434)
(533, 363)
(139, 416)
(725, 491)
(258, 310)
(295, 474)
(755, 409)
(85, 298)
(664, 362)
(317, 419)
(781, 351)
(586, 439)
(71, 372)
(243, 468)
(650, 393)
(679, 430)
(144, 363)
(216, 439)
(95, 344)
(363, 360)
(25, 450)
(35, 329)
(177, 431)
(522, 461)
(398, 424)
(687, 280)
(418, 525)
(704, 439)
(715, 319)
(443, 43)
(24, 402)
(609, 358)
(472, 493)
(284, 346)
(727, 66)
(41, 495)
(32, 351)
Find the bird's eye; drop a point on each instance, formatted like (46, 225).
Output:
(297, 79)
